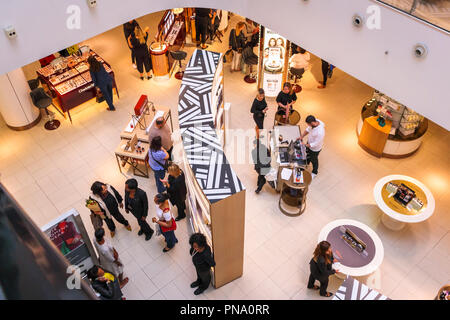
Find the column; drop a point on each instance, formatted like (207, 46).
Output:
(16, 106)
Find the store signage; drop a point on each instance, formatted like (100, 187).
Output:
(273, 62)
(87, 88)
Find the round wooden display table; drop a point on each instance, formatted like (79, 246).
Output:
(294, 118)
(292, 200)
(396, 214)
(160, 61)
(350, 261)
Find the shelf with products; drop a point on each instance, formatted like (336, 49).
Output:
(216, 196)
(407, 127)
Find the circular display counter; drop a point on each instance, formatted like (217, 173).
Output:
(351, 261)
(396, 215)
(397, 146)
(160, 61)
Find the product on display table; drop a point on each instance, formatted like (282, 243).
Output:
(405, 134)
(134, 153)
(69, 80)
(216, 195)
(403, 200)
(357, 247)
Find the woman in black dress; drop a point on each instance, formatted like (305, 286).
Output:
(176, 188)
(259, 109)
(285, 99)
(203, 260)
(321, 268)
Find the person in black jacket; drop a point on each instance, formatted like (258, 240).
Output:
(102, 80)
(236, 42)
(325, 68)
(261, 159)
(105, 283)
(321, 268)
(136, 201)
(138, 43)
(109, 201)
(259, 109)
(203, 261)
(176, 188)
(202, 20)
(128, 30)
(285, 99)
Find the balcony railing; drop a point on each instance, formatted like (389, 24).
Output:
(435, 12)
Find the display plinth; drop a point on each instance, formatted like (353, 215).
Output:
(216, 196)
(373, 137)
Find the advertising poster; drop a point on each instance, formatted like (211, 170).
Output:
(66, 234)
(273, 62)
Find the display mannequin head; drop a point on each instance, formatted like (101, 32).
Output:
(312, 121)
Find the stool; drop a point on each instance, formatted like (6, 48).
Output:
(178, 56)
(249, 59)
(41, 100)
(297, 75)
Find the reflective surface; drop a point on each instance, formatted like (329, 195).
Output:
(436, 12)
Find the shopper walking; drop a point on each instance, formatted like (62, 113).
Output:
(321, 268)
(157, 158)
(138, 43)
(299, 62)
(176, 188)
(316, 132)
(105, 283)
(109, 201)
(161, 128)
(261, 159)
(136, 201)
(108, 256)
(128, 30)
(325, 68)
(259, 109)
(285, 99)
(203, 260)
(165, 220)
(201, 25)
(102, 80)
(236, 42)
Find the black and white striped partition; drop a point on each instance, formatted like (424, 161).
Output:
(352, 289)
(196, 118)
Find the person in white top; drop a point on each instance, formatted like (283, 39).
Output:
(299, 62)
(165, 220)
(108, 256)
(316, 132)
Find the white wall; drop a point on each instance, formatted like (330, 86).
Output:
(322, 26)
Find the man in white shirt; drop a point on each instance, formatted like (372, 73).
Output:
(316, 132)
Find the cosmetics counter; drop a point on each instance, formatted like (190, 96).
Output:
(216, 196)
(389, 129)
(69, 81)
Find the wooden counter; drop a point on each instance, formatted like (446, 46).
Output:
(373, 137)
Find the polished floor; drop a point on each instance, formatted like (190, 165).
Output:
(50, 172)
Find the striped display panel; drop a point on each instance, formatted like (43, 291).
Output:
(196, 118)
(352, 289)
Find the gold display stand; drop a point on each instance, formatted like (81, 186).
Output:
(373, 137)
(394, 205)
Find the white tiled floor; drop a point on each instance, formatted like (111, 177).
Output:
(49, 172)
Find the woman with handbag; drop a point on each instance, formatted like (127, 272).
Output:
(236, 42)
(259, 109)
(108, 256)
(138, 43)
(157, 159)
(321, 268)
(165, 220)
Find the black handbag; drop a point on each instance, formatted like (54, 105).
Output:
(99, 96)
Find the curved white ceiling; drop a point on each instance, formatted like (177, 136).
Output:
(383, 58)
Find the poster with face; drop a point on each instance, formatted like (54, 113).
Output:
(273, 62)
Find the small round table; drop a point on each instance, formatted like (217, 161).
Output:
(160, 61)
(353, 263)
(292, 200)
(395, 214)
